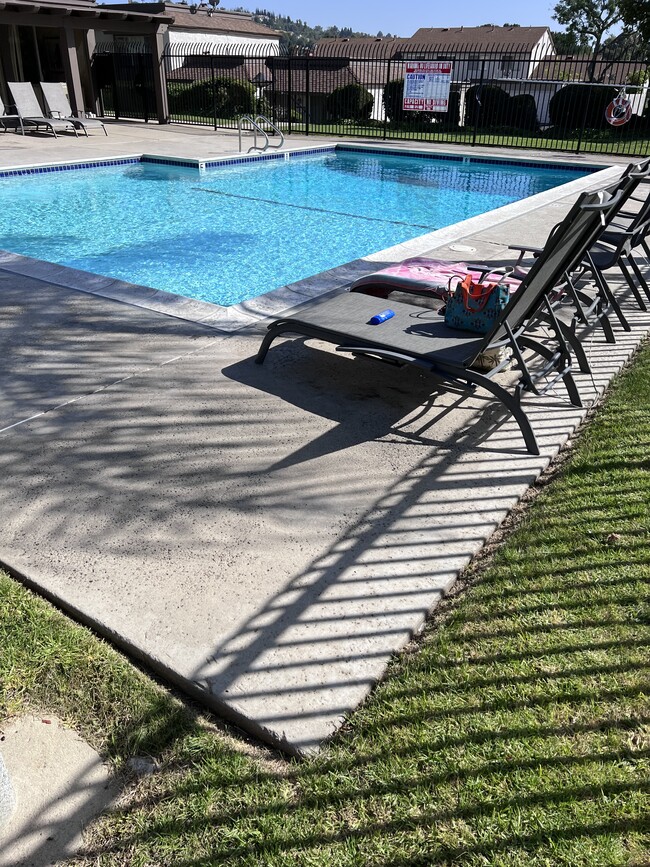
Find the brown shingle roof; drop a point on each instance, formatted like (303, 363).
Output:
(487, 36)
(434, 39)
(220, 22)
(237, 23)
(568, 68)
(324, 77)
(361, 47)
(238, 68)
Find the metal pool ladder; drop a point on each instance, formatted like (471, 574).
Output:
(257, 127)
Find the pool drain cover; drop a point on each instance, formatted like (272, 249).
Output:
(462, 248)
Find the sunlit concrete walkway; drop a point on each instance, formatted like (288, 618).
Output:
(265, 537)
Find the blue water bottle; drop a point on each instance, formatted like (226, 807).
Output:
(378, 318)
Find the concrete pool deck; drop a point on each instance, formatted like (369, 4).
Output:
(266, 538)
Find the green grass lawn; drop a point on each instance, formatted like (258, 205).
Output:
(516, 732)
(615, 141)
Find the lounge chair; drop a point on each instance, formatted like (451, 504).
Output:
(31, 114)
(427, 278)
(416, 336)
(614, 247)
(10, 121)
(58, 106)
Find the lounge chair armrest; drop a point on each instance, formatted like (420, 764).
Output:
(485, 268)
(534, 251)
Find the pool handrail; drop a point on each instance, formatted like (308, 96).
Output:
(256, 127)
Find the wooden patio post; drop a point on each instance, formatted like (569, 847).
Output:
(159, 77)
(72, 73)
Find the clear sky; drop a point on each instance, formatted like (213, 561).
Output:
(404, 17)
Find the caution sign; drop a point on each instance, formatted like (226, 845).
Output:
(426, 85)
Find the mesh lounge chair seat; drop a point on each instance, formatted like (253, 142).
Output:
(10, 121)
(420, 337)
(30, 111)
(58, 106)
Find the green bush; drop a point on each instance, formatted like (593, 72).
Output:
(524, 112)
(177, 97)
(263, 107)
(229, 99)
(487, 105)
(284, 115)
(350, 102)
(578, 104)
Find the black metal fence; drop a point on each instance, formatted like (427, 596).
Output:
(499, 95)
(124, 80)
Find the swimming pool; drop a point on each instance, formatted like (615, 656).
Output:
(240, 230)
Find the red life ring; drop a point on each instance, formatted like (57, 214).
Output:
(619, 111)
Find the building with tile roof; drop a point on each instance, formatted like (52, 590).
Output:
(53, 40)
(202, 27)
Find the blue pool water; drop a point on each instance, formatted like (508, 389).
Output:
(237, 231)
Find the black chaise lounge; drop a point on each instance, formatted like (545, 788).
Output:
(626, 230)
(614, 247)
(420, 337)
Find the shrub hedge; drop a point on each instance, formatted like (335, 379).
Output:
(350, 102)
(578, 104)
(229, 99)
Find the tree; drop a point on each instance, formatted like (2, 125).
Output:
(626, 44)
(568, 43)
(589, 20)
(636, 14)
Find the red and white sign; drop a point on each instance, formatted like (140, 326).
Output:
(426, 85)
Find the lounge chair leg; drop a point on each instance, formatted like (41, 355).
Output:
(646, 249)
(600, 313)
(275, 329)
(576, 347)
(549, 354)
(633, 289)
(606, 325)
(264, 348)
(608, 297)
(511, 404)
(639, 276)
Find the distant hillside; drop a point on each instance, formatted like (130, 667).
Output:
(299, 33)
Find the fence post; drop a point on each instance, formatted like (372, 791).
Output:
(289, 91)
(214, 92)
(307, 107)
(480, 107)
(384, 101)
(116, 107)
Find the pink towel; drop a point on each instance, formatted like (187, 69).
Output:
(429, 276)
